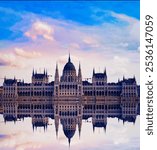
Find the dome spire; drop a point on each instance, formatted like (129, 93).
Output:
(69, 59)
(69, 141)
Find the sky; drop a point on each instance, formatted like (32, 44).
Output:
(97, 34)
(22, 137)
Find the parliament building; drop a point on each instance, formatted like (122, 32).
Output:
(69, 100)
(68, 86)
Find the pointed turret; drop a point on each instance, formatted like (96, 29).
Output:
(93, 71)
(57, 74)
(79, 129)
(79, 73)
(33, 72)
(93, 129)
(123, 77)
(57, 126)
(33, 127)
(105, 129)
(105, 72)
(44, 72)
(134, 78)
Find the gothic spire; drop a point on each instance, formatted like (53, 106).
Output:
(105, 129)
(57, 73)
(44, 71)
(57, 69)
(69, 59)
(79, 129)
(105, 71)
(93, 129)
(69, 140)
(123, 77)
(79, 71)
(134, 77)
(33, 72)
(93, 71)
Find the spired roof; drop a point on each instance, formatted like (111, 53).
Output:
(69, 66)
(39, 76)
(129, 81)
(99, 75)
(9, 81)
(99, 124)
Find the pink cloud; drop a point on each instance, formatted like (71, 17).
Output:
(7, 59)
(42, 29)
(98, 46)
(22, 53)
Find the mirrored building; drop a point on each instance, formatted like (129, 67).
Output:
(69, 99)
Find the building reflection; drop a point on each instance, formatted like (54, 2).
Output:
(69, 99)
(69, 114)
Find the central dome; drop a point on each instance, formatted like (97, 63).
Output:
(69, 66)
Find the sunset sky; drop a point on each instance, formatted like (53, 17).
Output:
(98, 34)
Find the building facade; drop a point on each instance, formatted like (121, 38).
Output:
(68, 85)
(69, 99)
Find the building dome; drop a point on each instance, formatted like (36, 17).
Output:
(69, 133)
(69, 66)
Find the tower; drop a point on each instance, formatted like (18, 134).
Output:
(56, 82)
(56, 125)
(39, 78)
(57, 75)
(79, 74)
(80, 87)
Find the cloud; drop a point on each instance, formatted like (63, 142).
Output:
(133, 24)
(42, 29)
(17, 57)
(111, 44)
(91, 41)
(123, 17)
(19, 141)
(25, 54)
(7, 60)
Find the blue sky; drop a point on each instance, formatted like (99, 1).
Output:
(35, 33)
(81, 12)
